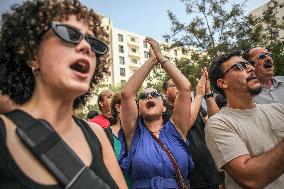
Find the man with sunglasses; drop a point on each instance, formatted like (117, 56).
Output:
(245, 139)
(273, 86)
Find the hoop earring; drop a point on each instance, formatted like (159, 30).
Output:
(35, 71)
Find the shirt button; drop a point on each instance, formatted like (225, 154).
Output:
(158, 146)
(160, 164)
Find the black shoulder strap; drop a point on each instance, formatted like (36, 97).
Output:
(54, 153)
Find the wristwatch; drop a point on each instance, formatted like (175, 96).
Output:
(211, 94)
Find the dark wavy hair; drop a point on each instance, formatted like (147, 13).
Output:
(116, 99)
(21, 33)
(216, 69)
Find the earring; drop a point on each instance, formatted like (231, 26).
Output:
(35, 71)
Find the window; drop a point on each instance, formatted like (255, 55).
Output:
(120, 49)
(134, 61)
(145, 54)
(121, 60)
(145, 45)
(132, 39)
(133, 50)
(122, 71)
(176, 52)
(120, 38)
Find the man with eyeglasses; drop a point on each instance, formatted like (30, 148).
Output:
(244, 138)
(273, 86)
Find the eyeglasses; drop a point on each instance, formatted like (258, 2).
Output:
(262, 56)
(172, 85)
(153, 94)
(72, 35)
(239, 65)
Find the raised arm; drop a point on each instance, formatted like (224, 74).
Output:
(212, 107)
(129, 110)
(182, 104)
(196, 104)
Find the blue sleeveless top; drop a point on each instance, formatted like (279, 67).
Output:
(148, 164)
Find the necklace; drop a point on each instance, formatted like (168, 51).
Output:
(157, 130)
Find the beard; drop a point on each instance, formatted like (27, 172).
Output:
(255, 91)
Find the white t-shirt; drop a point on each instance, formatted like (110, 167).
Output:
(232, 133)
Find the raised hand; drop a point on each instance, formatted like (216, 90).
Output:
(200, 87)
(207, 84)
(152, 56)
(156, 49)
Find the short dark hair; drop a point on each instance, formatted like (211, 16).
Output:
(21, 33)
(216, 69)
(166, 83)
(116, 99)
(246, 54)
(92, 114)
(221, 101)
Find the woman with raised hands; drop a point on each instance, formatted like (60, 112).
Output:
(155, 155)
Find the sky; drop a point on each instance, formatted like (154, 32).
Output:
(144, 17)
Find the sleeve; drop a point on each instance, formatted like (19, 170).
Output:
(223, 141)
(125, 157)
(203, 112)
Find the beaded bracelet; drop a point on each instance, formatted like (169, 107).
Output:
(162, 64)
(211, 94)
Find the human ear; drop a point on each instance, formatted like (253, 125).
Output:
(222, 83)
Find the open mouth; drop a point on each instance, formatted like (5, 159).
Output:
(267, 64)
(251, 78)
(150, 104)
(81, 67)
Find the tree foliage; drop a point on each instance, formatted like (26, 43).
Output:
(215, 29)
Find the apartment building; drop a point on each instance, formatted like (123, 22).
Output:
(258, 12)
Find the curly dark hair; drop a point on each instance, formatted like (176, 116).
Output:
(116, 99)
(21, 33)
(216, 69)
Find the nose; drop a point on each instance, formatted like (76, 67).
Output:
(84, 47)
(250, 68)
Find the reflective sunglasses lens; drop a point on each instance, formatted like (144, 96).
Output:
(68, 34)
(154, 94)
(270, 55)
(97, 45)
(261, 56)
(142, 96)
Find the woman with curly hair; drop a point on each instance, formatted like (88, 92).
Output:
(52, 54)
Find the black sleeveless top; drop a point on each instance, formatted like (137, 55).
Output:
(12, 177)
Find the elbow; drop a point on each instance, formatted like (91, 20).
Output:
(251, 184)
(125, 94)
(185, 87)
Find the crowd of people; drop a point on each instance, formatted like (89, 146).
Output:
(50, 64)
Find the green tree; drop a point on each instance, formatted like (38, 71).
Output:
(215, 29)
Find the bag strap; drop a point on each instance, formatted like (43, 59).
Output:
(180, 180)
(48, 147)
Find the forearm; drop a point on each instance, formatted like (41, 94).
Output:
(259, 171)
(179, 79)
(133, 84)
(212, 107)
(195, 106)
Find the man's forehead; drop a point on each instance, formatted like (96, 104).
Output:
(233, 60)
(149, 90)
(107, 92)
(256, 51)
(170, 81)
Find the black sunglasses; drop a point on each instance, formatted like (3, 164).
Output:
(154, 94)
(239, 65)
(262, 56)
(73, 35)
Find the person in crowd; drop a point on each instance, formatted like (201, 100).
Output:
(205, 172)
(272, 86)
(92, 114)
(53, 51)
(244, 138)
(104, 100)
(155, 155)
(220, 101)
(113, 130)
(6, 104)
